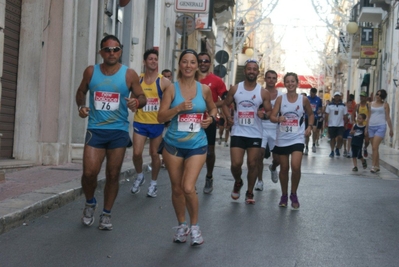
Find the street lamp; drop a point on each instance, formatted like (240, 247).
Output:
(351, 28)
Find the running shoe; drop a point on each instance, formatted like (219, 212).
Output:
(249, 198)
(314, 149)
(337, 152)
(235, 194)
(152, 190)
(208, 188)
(196, 236)
(354, 169)
(345, 153)
(259, 186)
(181, 233)
(283, 201)
(105, 222)
(294, 201)
(274, 175)
(220, 142)
(364, 163)
(317, 143)
(306, 151)
(226, 144)
(88, 214)
(349, 155)
(365, 153)
(162, 164)
(331, 154)
(136, 185)
(375, 169)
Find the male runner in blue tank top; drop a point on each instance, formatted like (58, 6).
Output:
(109, 85)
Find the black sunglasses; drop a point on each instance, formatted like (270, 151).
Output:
(204, 61)
(109, 49)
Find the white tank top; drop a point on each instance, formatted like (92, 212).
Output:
(246, 120)
(267, 124)
(292, 131)
(377, 116)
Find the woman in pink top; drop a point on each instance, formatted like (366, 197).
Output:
(377, 125)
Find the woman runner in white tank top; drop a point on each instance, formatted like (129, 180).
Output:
(288, 112)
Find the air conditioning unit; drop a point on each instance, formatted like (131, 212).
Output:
(364, 63)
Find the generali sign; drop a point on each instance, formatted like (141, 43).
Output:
(191, 6)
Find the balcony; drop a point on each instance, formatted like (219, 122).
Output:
(221, 5)
(224, 16)
(384, 4)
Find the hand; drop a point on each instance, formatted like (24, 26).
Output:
(281, 119)
(186, 105)
(390, 133)
(206, 122)
(308, 131)
(84, 112)
(132, 103)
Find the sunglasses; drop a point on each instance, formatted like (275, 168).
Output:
(204, 61)
(111, 49)
(378, 94)
(251, 61)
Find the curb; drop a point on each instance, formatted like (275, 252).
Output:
(20, 210)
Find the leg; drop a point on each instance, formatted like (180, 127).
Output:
(210, 160)
(237, 159)
(155, 159)
(114, 164)
(92, 161)
(252, 163)
(375, 144)
(260, 163)
(138, 147)
(284, 169)
(296, 159)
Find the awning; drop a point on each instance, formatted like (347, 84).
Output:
(305, 81)
(366, 80)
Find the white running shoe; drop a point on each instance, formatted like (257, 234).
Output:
(181, 233)
(136, 185)
(306, 151)
(152, 190)
(274, 175)
(196, 236)
(88, 214)
(259, 186)
(105, 222)
(314, 149)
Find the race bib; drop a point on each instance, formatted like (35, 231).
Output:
(189, 122)
(106, 101)
(313, 107)
(152, 105)
(246, 118)
(290, 125)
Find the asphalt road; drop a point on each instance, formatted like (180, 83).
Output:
(345, 219)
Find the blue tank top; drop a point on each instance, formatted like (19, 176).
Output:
(108, 107)
(184, 130)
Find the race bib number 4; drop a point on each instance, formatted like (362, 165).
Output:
(246, 118)
(152, 105)
(189, 122)
(106, 101)
(290, 125)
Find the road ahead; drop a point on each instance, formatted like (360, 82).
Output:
(345, 219)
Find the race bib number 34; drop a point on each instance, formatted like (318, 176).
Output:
(290, 125)
(189, 122)
(106, 101)
(246, 118)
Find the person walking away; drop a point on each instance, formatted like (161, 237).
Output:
(377, 126)
(246, 127)
(219, 91)
(351, 107)
(363, 107)
(291, 134)
(185, 144)
(146, 125)
(317, 105)
(109, 85)
(268, 132)
(358, 132)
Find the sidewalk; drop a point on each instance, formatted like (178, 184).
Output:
(31, 192)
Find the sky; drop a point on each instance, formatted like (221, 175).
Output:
(303, 34)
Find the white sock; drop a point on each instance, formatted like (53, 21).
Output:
(140, 176)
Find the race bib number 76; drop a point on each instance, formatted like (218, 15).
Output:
(106, 101)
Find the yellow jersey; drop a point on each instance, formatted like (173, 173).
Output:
(153, 92)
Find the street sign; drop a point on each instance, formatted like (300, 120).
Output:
(222, 57)
(187, 22)
(220, 71)
(191, 6)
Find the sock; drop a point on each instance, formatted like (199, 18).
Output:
(106, 211)
(180, 223)
(209, 177)
(140, 175)
(153, 182)
(91, 201)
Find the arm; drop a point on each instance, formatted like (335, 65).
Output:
(309, 112)
(210, 106)
(388, 118)
(137, 98)
(276, 109)
(226, 104)
(82, 91)
(165, 83)
(166, 113)
(222, 93)
(326, 112)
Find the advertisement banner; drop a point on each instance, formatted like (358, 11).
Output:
(369, 43)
